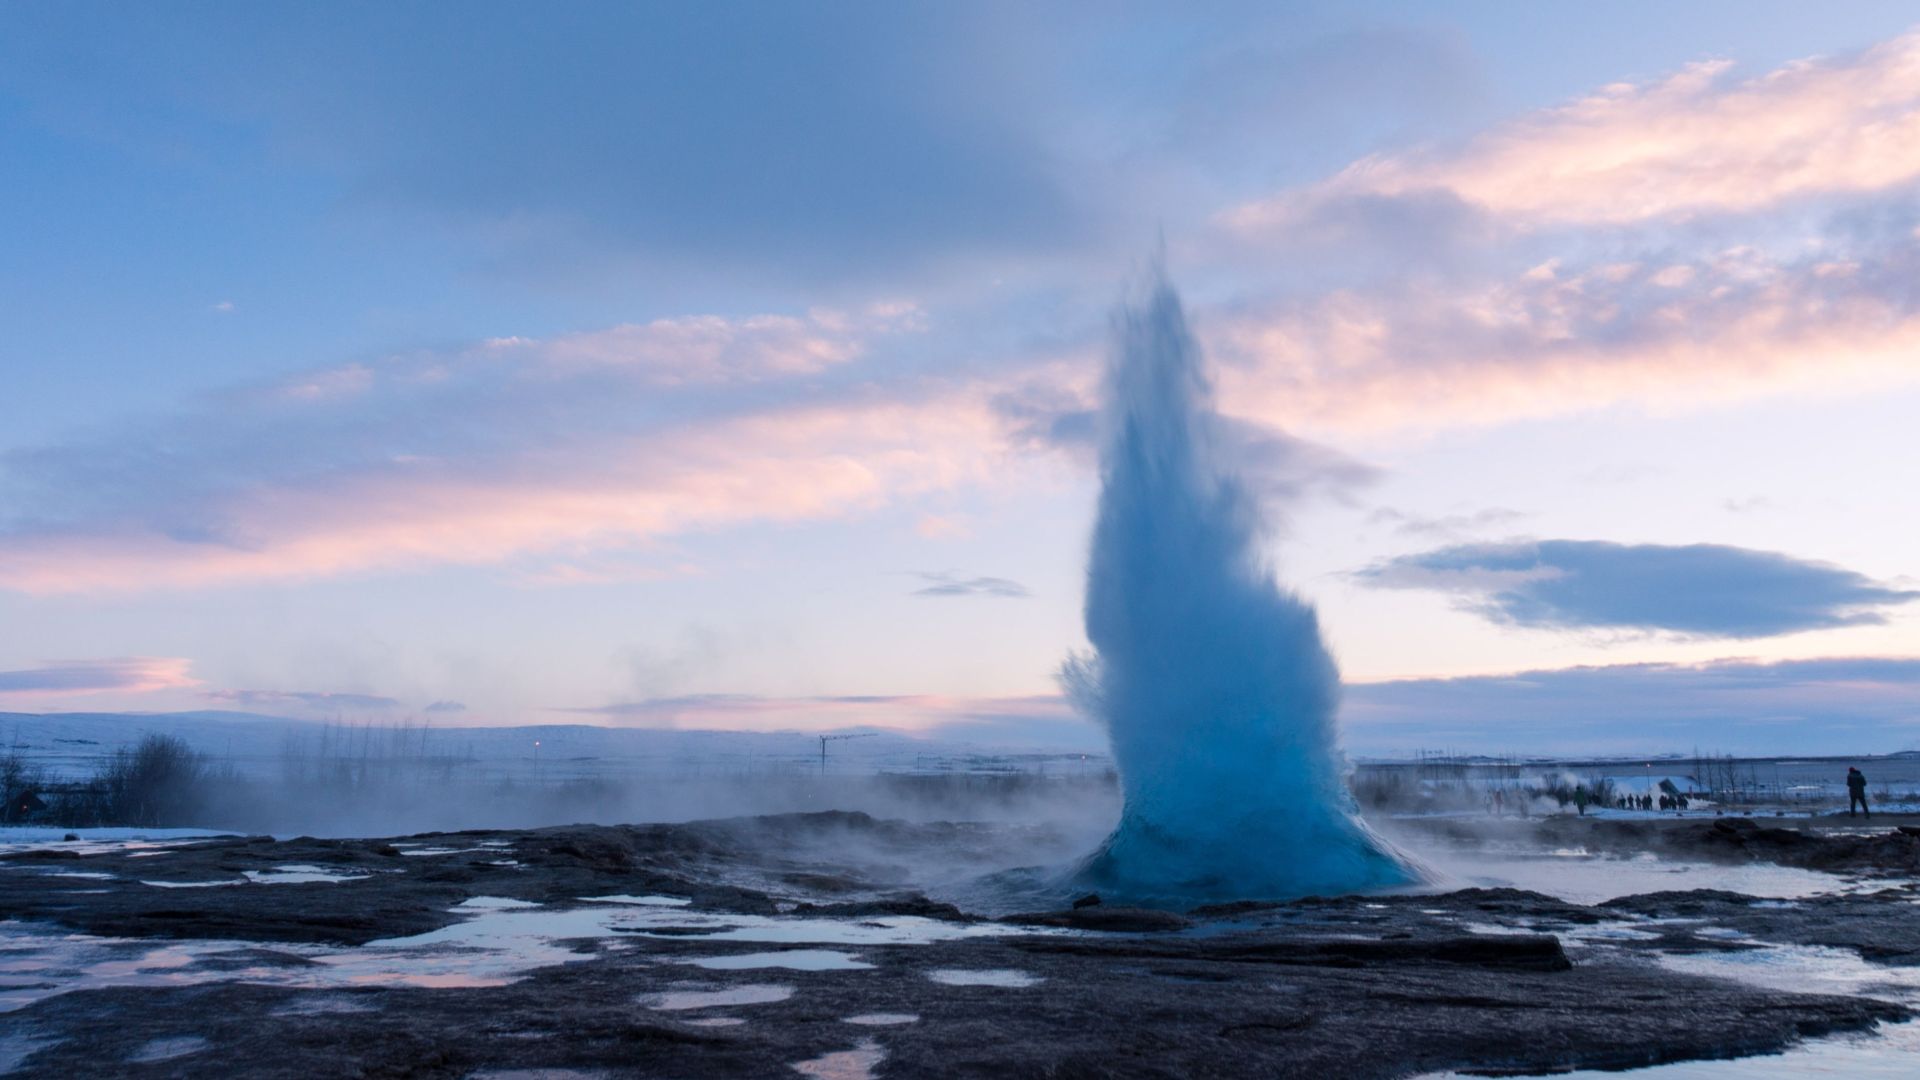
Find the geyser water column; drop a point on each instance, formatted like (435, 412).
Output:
(1212, 681)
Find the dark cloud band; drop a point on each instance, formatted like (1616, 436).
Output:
(1695, 590)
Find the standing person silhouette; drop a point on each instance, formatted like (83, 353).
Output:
(1857, 792)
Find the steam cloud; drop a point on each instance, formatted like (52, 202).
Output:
(1212, 681)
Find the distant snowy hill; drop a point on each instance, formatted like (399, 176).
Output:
(73, 744)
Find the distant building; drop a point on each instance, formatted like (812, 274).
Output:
(25, 805)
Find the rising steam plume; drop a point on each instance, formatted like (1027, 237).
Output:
(1212, 681)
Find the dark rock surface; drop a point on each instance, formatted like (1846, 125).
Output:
(1495, 980)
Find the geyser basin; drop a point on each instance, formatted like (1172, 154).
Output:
(1212, 681)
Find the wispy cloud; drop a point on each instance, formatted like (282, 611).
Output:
(1696, 590)
(948, 583)
(1432, 352)
(1699, 238)
(1700, 141)
(1443, 526)
(125, 674)
(310, 700)
(586, 442)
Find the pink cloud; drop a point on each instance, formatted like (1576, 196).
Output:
(553, 453)
(1697, 141)
(1429, 354)
(789, 464)
(119, 675)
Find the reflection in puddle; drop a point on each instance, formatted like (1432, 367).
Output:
(881, 930)
(716, 1021)
(1605, 932)
(300, 874)
(97, 841)
(881, 1019)
(643, 901)
(192, 884)
(324, 1005)
(791, 959)
(750, 994)
(1591, 879)
(1887, 1055)
(1804, 969)
(983, 977)
(855, 1064)
(499, 942)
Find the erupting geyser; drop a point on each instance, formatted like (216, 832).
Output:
(1212, 681)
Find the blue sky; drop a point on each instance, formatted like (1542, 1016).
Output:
(738, 358)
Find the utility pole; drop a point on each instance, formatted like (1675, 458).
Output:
(824, 739)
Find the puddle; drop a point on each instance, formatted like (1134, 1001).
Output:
(300, 875)
(643, 901)
(1887, 1055)
(716, 1021)
(39, 964)
(499, 942)
(99, 841)
(1606, 932)
(88, 875)
(855, 1064)
(782, 930)
(193, 884)
(1580, 878)
(881, 1019)
(750, 994)
(983, 977)
(1805, 969)
(168, 1049)
(791, 959)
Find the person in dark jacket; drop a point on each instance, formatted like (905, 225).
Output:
(1857, 792)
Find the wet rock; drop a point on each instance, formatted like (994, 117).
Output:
(1237, 907)
(1362, 987)
(734, 898)
(1501, 952)
(1124, 920)
(904, 904)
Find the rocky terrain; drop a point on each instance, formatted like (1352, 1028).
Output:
(755, 946)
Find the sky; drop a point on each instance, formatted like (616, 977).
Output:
(734, 365)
